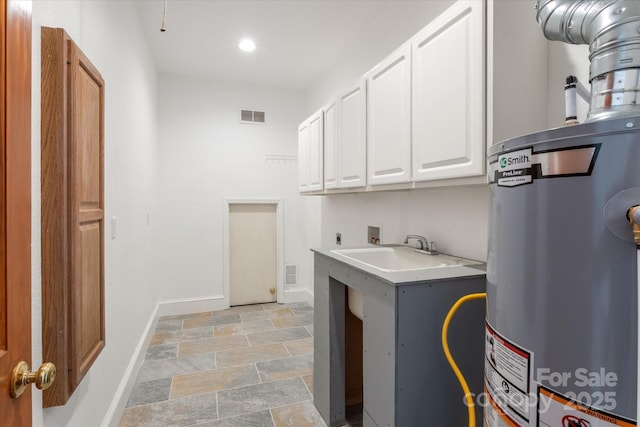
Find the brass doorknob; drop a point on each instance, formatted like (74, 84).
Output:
(22, 376)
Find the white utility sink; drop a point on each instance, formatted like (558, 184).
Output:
(400, 258)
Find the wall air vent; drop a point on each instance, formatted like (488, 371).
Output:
(291, 273)
(253, 117)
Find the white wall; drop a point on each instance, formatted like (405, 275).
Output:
(456, 218)
(109, 33)
(206, 155)
(517, 74)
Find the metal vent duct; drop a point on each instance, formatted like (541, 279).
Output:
(611, 28)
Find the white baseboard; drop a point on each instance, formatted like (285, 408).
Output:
(121, 397)
(194, 305)
(298, 295)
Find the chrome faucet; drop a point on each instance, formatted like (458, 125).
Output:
(423, 245)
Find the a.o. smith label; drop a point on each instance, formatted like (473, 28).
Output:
(514, 168)
(526, 166)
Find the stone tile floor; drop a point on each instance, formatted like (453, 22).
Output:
(249, 366)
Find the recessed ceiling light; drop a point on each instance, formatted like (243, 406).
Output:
(247, 45)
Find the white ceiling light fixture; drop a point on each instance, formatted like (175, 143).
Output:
(247, 45)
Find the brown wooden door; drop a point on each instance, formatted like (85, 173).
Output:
(73, 330)
(86, 186)
(15, 205)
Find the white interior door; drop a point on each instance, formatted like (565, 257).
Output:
(252, 253)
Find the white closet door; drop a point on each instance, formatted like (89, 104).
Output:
(252, 253)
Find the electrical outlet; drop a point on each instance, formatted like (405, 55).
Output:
(338, 238)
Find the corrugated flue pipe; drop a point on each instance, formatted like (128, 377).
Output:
(611, 28)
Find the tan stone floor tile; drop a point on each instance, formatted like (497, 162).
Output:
(268, 314)
(302, 414)
(287, 367)
(243, 328)
(308, 380)
(299, 347)
(134, 417)
(217, 319)
(170, 337)
(209, 345)
(253, 398)
(187, 411)
(210, 381)
(290, 322)
(253, 419)
(247, 355)
(278, 335)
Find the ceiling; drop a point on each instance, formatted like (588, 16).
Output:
(298, 41)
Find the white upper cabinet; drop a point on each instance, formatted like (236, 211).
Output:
(304, 151)
(424, 116)
(389, 119)
(352, 143)
(316, 155)
(448, 132)
(330, 146)
(311, 154)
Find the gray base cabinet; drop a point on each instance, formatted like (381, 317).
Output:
(407, 381)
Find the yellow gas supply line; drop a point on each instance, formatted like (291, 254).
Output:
(445, 346)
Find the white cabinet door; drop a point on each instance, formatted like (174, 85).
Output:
(316, 154)
(330, 146)
(389, 119)
(448, 130)
(304, 151)
(352, 142)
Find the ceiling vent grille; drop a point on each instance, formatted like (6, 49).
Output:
(254, 117)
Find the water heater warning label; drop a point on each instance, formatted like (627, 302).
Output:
(556, 410)
(507, 378)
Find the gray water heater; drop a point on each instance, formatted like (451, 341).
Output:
(561, 329)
